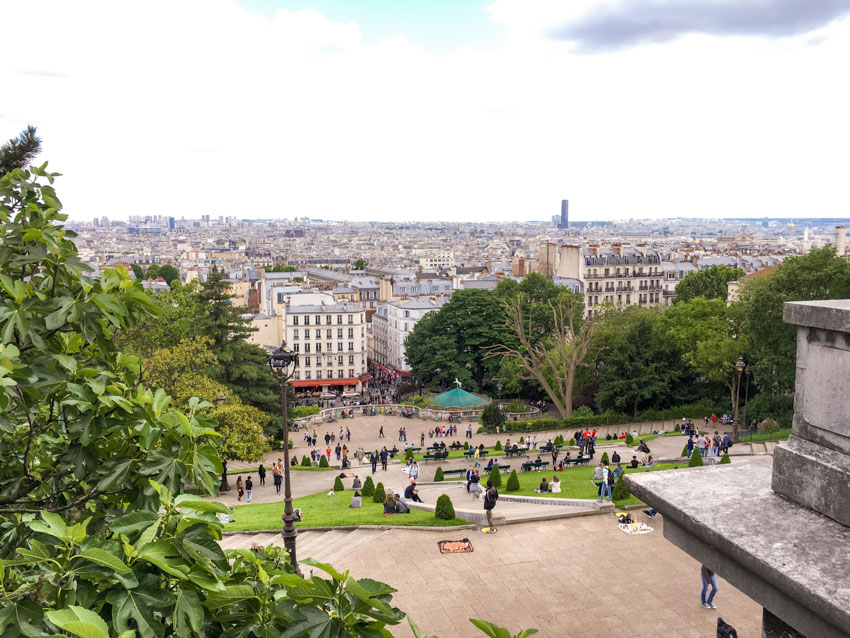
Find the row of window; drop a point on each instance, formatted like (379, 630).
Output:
(330, 374)
(296, 347)
(328, 333)
(642, 298)
(637, 272)
(305, 319)
(339, 360)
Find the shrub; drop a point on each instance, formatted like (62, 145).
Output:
(323, 462)
(767, 426)
(685, 450)
(516, 407)
(513, 482)
(559, 440)
(605, 458)
(338, 486)
(571, 442)
(408, 456)
(630, 439)
(300, 411)
(466, 445)
(495, 477)
(498, 446)
(492, 416)
(696, 459)
(766, 406)
(368, 487)
(306, 462)
(581, 412)
(725, 460)
(380, 495)
(438, 475)
(620, 490)
(521, 440)
(444, 509)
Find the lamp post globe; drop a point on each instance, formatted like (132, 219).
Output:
(281, 362)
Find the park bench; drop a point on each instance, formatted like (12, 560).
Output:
(516, 452)
(537, 465)
(548, 448)
(576, 461)
(456, 446)
(502, 468)
(436, 456)
(470, 453)
(452, 472)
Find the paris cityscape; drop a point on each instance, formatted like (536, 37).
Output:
(424, 319)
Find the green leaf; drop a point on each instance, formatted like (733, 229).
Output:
(198, 504)
(140, 605)
(189, 611)
(164, 555)
(160, 401)
(69, 363)
(230, 596)
(105, 559)
(79, 622)
(51, 524)
(118, 471)
(134, 522)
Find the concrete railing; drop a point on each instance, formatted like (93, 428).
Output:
(428, 414)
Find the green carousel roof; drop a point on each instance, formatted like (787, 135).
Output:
(458, 398)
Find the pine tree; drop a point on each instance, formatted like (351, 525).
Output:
(380, 495)
(19, 151)
(620, 490)
(444, 509)
(338, 486)
(495, 477)
(725, 460)
(323, 461)
(438, 475)
(368, 487)
(513, 482)
(306, 462)
(604, 458)
(696, 459)
(498, 446)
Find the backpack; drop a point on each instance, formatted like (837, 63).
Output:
(611, 477)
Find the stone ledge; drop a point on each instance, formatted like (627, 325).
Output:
(791, 560)
(833, 314)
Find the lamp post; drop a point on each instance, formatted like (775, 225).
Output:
(281, 361)
(746, 398)
(740, 365)
(224, 486)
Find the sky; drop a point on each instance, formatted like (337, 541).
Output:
(444, 110)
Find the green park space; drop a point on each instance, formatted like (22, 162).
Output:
(320, 511)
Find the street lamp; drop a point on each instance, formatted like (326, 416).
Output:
(281, 361)
(740, 366)
(224, 486)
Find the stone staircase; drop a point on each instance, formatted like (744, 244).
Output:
(324, 546)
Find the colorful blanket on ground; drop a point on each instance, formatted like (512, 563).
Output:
(455, 547)
(635, 528)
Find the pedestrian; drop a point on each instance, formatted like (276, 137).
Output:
(384, 456)
(381, 432)
(262, 472)
(716, 443)
(422, 440)
(338, 451)
(277, 477)
(490, 498)
(597, 478)
(373, 458)
(240, 488)
(708, 577)
(690, 446)
(249, 487)
(413, 472)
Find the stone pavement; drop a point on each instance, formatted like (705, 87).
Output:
(573, 577)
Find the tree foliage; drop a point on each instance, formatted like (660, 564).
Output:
(360, 264)
(696, 459)
(513, 482)
(709, 283)
(492, 416)
(19, 151)
(438, 475)
(495, 477)
(444, 509)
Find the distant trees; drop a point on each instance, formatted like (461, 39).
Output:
(711, 283)
(360, 264)
(168, 272)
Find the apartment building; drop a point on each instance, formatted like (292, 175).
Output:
(391, 325)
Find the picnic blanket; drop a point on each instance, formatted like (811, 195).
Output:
(635, 528)
(455, 547)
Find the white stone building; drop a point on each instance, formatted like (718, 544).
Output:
(402, 316)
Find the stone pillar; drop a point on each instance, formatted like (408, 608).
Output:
(813, 467)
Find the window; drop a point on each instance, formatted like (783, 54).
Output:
(362, 332)
(297, 375)
(307, 374)
(339, 318)
(339, 360)
(295, 320)
(330, 347)
(294, 334)
(296, 347)
(318, 320)
(351, 332)
(329, 334)
(351, 346)
(306, 320)
(406, 313)
(339, 333)
(339, 347)
(318, 374)
(350, 360)
(330, 360)
(318, 347)
(341, 375)
(328, 320)
(350, 318)
(306, 361)
(330, 374)
(351, 373)
(306, 334)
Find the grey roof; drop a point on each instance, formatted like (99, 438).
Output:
(337, 307)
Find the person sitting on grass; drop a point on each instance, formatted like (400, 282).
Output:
(618, 471)
(544, 487)
(650, 462)
(555, 485)
(356, 484)
(389, 504)
(400, 506)
(356, 501)
(634, 462)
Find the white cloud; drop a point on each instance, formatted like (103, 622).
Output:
(191, 107)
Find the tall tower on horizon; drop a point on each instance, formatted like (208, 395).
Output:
(565, 211)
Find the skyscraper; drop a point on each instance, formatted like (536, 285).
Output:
(565, 209)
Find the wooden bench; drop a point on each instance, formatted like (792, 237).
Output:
(436, 457)
(452, 472)
(470, 453)
(516, 452)
(454, 446)
(528, 466)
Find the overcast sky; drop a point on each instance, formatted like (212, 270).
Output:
(435, 109)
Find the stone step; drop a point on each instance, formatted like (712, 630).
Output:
(321, 546)
(356, 538)
(236, 540)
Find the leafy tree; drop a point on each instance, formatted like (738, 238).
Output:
(768, 426)
(629, 440)
(169, 273)
(368, 487)
(709, 283)
(605, 458)
(492, 416)
(153, 271)
(283, 268)
(498, 446)
(177, 318)
(19, 151)
(241, 430)
(444, 509)
(513, 482)
(438, 475)
(495, 477)
(360, 264)
(821, 274)
(138, 271)
(338, 486)
(380, 495)
(696, 459)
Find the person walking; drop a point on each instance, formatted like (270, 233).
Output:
(240, 488)
(277, 477)
(384, 456)
(338, 451)
(490, 498)
(262, 473)
(249, 488)
(373, 458)
(381, 432)
(597, 478)
(715, 447)
(604, 488)
(701, 445)
(708, 577)
(690, 446)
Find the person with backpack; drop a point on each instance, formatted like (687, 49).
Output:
(490, 498)
(249, 487)
(716, 443)
(690, 446)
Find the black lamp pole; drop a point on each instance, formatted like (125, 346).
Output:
(224, 486)
(739, 370)
(280, 362)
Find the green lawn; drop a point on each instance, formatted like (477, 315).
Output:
(454, 454)
(767, 436)
(576, 482)
(320, 511)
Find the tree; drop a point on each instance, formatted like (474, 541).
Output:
(725, 460)
(323, 461)
(153, 271)
(821, 274)
(360, 264)
(138, 271)
(709, 283)
(444, 509)
(438, 475)
(513, 482)
(696, 459)
(338, 486)
(495, 477)
(282, 268)
(620, 491)
(492, 416)
(19, 151)
(380, 495)
(368, 487)
(305, 461)
(169, 273)
(551, 358)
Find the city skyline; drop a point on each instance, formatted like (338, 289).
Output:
(349, 111)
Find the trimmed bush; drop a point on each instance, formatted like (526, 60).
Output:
(521, 440)
(323, 462)
(696, 459)
(571, 442)
(466, 445)
(620, 491)
(630, 439)
(438, 475)
(380, 495)
(767, 426)
(559, 440)
(306, 462)
(338, 486)
(444, 509)
(368, 487)
(495, 477)
(725, 460)
(498, 446)
(513, 482)
(685, 450)
(408, 456)
(605, 458)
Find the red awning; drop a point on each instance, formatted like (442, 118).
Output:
(366, 377)
(314, 383)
